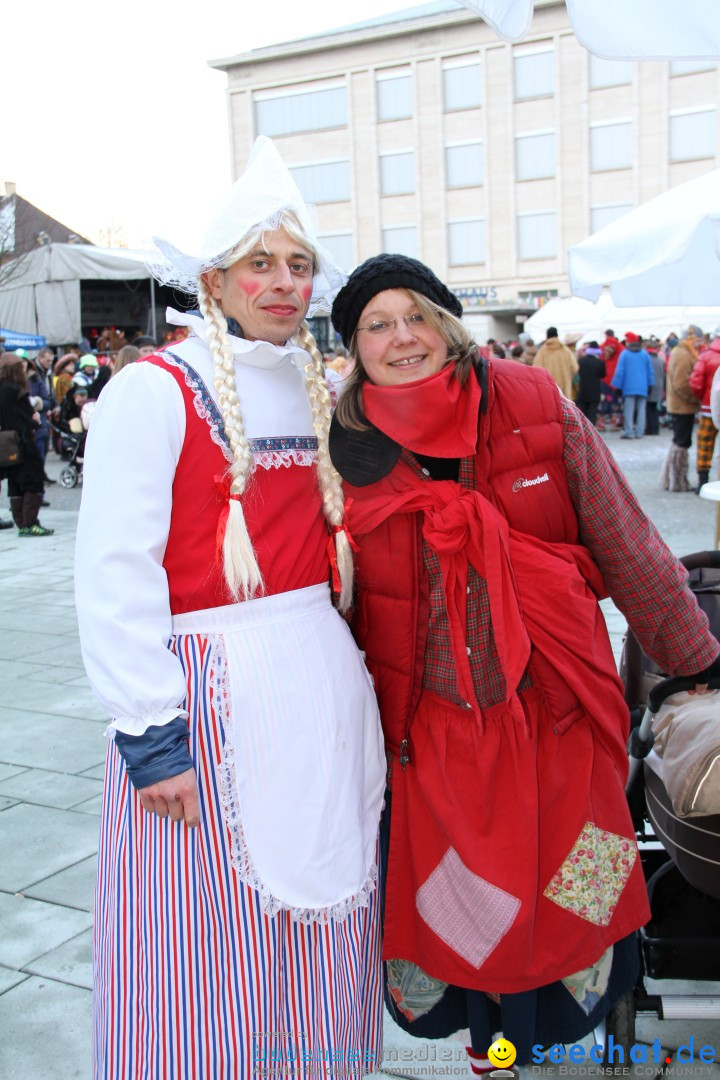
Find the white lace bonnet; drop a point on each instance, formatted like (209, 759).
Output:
(255, 200)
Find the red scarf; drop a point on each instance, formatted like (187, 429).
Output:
(434, 416)
(462, 527)
(540, 593)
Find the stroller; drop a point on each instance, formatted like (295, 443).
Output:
(680, 855)
(72, 446)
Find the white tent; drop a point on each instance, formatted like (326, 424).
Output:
(41, 290)
(572, 315)
(616, 29)
(666, 250)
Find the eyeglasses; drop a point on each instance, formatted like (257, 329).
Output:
(379, 328)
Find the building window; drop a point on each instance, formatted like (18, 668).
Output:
(340, 246)
(323, 182)
(462, 85)
(537, 235)
(397, 173)
(400, 240)
(535, 155)
(693, 135)
(605, 213)
(534, 74)
(610, 72)
(465, 165)
(315, 110)
(394, 95)
(611, 146)
(689, 67)
(466, 242)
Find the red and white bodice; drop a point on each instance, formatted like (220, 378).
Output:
(157, 459)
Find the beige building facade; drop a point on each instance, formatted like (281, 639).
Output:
(422, 132)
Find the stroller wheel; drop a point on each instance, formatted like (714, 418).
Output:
(620, 1024)
(69, 476)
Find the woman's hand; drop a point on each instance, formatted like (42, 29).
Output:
(703, 678)
(176, 798)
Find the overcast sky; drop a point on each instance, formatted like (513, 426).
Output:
(111, 117)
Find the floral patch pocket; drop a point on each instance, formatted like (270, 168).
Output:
(592, 877)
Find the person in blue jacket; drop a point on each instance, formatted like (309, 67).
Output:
(633, 378)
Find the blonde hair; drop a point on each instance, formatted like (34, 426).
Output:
(240, 565)
(328, 478)
(460, 343)
(127, 355)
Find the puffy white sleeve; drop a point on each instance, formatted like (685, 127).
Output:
(121, 588)
(715, 399)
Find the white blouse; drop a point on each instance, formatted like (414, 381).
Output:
(132, 451)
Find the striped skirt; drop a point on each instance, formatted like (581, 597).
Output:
(192, 978)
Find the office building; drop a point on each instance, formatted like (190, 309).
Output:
(422, 132)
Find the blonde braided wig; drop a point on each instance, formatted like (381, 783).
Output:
(328, 478)
(240, 565)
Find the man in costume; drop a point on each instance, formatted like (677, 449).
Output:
(236, 919)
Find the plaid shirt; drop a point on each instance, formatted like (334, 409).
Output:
(643, 578)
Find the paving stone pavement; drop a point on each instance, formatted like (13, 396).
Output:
(51, 767)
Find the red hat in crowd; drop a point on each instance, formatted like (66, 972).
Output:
(632, 337)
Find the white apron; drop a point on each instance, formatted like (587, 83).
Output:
(303, 770)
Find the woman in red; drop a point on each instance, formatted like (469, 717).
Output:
(489, 519)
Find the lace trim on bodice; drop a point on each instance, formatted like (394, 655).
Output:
(271, 453)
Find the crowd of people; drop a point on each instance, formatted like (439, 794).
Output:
(49, 401)
(632, 385)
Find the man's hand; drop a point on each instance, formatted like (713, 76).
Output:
(176, 798)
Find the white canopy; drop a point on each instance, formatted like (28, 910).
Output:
(618, 30)
(573, 315)
(666, 251)
(41, 290)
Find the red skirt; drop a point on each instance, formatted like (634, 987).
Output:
(512, 856)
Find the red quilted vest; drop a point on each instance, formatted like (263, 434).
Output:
(519, 468)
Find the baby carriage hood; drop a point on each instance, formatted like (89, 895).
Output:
(687, 738)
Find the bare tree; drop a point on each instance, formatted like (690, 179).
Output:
(112, 235)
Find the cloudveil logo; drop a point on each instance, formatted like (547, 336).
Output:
(521, 483)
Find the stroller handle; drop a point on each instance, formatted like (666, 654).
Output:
(641, 739)
(674, 685)
(701, 559)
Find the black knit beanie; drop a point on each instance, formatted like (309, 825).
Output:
(387, 272)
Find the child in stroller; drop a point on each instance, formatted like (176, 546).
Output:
(73, 433)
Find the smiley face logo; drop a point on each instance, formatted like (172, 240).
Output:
(502, 1054)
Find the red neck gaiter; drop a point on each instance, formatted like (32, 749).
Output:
(434, 416)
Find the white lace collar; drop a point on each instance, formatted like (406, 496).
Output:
(256, 353)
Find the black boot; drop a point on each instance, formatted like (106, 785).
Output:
(703, 478)
(31, 507)
(16, 508)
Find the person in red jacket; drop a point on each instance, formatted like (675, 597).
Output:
(488, 517)
(701, 379)
(611, 348)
